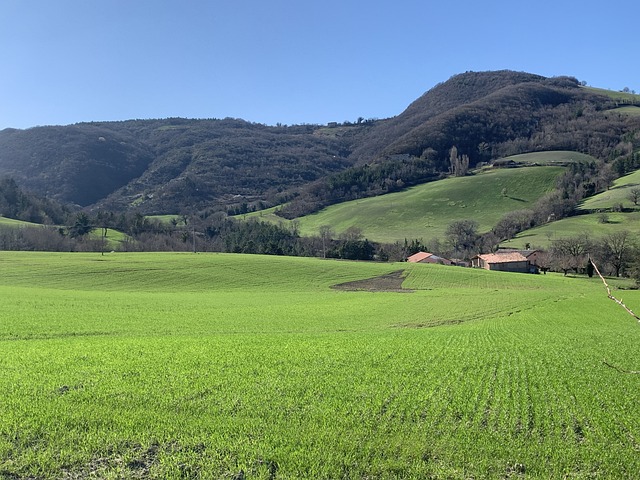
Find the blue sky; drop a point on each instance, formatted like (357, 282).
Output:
(288, 61)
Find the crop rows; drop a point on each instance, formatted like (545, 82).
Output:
(474, 374)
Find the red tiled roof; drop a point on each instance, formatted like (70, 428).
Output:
(417, 257)
(503, 257)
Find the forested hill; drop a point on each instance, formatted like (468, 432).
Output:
(486, 116)
(179, 165)
(170, 165)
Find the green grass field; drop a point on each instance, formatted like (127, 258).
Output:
(628, 110)
(113, 240)
(618, 194)
(560, 157)
(10, 222)
(203, 366)
(624, 97)
(426, 210)
(543, 236)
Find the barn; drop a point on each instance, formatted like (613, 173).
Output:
(503, 262)
(425, 257)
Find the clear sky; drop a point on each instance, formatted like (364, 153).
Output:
(289, 61)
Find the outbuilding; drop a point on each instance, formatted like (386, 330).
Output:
(425, 257)
(503, 262)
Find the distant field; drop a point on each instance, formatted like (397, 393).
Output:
(620, 96)
(204, 366)
(559, 157)
(425, 211)
(541, 237)
(10, 222)
(629, 110)
(592, 224)
(166, 218)
(114, 238)
(617, 194)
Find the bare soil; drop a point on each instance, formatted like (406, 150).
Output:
(391, 282)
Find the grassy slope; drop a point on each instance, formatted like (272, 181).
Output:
(617, 194)
(113, 240)
(590, 222)
(623, 97)
(10, 222)
(180, 365)
(628, 110)
(425, 211)
(559, 157)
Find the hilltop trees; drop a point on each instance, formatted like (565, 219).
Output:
(459, 164)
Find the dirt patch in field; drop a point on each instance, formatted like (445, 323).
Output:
(390, 282)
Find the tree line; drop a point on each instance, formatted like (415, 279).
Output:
(616, 254)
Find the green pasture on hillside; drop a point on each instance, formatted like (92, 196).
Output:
(628, 110)
(113, 239)
(591, 224)
(10, 222)
(425, 211)
(617, 194)
(205, 366)
(559, 157)
(166, 218)
(623, 97)
(598, 224)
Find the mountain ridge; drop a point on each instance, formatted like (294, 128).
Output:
(184, 165)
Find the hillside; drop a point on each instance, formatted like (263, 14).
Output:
(171, 165)
(609, 212)
(425, 211)
(185, 166)
(486, 116)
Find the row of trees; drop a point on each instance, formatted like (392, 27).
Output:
(216, 233)
(615, 254)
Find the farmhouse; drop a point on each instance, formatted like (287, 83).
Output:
(523, 261)
(425, 257)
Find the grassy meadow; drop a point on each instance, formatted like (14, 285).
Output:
(592, 223)
(617, 194)
(557, 157)
(12, 223)
(590, 218)
(209, 365)
(425, 211)
(622, 97)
